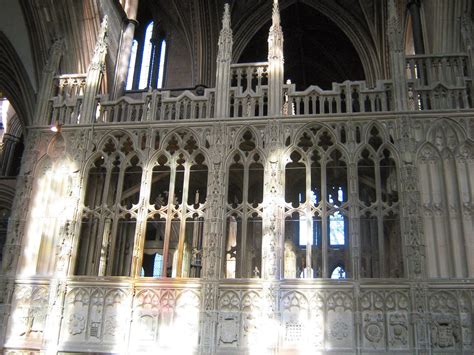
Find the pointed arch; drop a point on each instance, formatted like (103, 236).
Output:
(15, 83)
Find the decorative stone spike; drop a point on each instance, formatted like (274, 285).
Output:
(94, 74)
(275, 63)
(224, 58)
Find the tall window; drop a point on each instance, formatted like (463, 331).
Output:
(131, 66)
(380, 236)
(111, 203)
(243, 249)
(316, 222)
(174, 230)
(147, 61)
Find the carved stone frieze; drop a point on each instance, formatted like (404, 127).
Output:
(385, 319)
(30, 304)
(95, 315)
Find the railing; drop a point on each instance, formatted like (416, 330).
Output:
(437, 82)
(249, 90)
(157, 106)
(248, 77)
(70, 85)
(124, 109)
(347, 97)
(433, 83)
(65, 110)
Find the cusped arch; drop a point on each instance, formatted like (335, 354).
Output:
(229, 301)
(341, 149)
(116, 141)
(394, 154)
(381, 129)
(358, 152)
(240, 133)
(427, 152)
(178, 132)
(294, 301)
(320, 128)
(445, 125)
(286, 156)
(245, 160)
(465, 150)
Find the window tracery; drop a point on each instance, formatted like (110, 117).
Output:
(175, 217)
(378, 191)
(243, 249)
(111, 204)
(316, 206)
(147, 60)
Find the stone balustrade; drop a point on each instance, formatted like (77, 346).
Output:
(69, 85)
(347, 97)
(249, 76)
(440, 82)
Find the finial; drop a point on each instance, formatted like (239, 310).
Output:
(226, 17)
(276, 13)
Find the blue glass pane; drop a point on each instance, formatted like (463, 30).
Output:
(162, 64)
(131, 67)
(146, 59)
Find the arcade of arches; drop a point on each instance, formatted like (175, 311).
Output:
(237, 177)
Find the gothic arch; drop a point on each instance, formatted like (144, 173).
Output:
(352, 29)
(381, 130)
(241, 131)
(182, 131)
(14, 82)
(450, 124)
(320, 126)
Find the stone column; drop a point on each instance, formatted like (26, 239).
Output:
(414, 8)
(214, 239)
(275, 64)
(412, 233)
(94, 75)
(224, 58)
(411, 220)
(46, 88)
(397, 58)
(272, 235)
(7, 154)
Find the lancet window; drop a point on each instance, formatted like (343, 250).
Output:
(147, 60)
(243, 247)
(176, 206)
(379, 216)
(316, 207)
(107, 235)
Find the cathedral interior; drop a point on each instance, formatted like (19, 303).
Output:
(236, 177)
